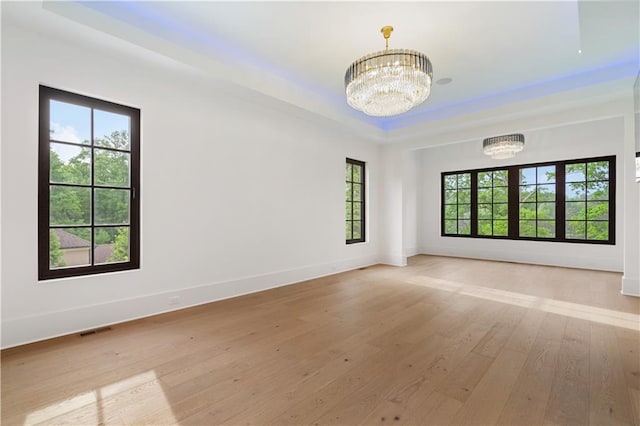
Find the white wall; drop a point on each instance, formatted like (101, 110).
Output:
(597, 137)
(398, 205)
(631, 278)
(391, 207)
(238, 195)
(411, 168)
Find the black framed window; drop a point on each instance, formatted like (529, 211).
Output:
(355, 201)
(493, 202)
(537, 195)
(566, 201)
(457, 203)
(587, 200)
(88, 185)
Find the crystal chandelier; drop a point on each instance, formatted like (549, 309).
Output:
(505, 146)
(388, 82)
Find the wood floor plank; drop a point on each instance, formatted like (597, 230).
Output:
(488, 398)
(425, 408)
(405, 394)
(440, 341)
(221, 393)
(634, 396)
(528, 400)
(526, 332)
(305, 378)
(630, 357)
(416, 322)
(463, 380)
(359, 404)
(315, 405)
(569, 400)
(501, 329)
(609, 402)
(419, 373)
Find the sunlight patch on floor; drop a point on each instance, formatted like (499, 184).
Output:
(574, 310)
(93, 406)
(65, 406)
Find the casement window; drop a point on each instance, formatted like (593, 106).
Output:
(566, 201)
(537, 208)
(587, 200)
(88, 186)
(493, 202)
(456, 203)
(355, 201)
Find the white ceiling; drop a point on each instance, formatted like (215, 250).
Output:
(495, 52)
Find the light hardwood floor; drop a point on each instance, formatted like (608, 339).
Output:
(441, 341)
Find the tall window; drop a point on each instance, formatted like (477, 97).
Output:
(569, 201)
(537, 192)
(457, 203)
(587, 200)
(493, 199)
(88, 190)
(354, 201)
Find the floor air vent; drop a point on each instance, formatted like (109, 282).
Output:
(95, 331)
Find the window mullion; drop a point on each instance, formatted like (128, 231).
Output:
(513, 201)
(93, 192)
(363, 200)
(43, 184)
(352, 203)
(560, 201)
(442, 205)
(473, 216)
(493, 204)
(612, 204)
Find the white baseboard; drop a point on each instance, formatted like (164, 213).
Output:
(20, 331)
(529, 257)
(630, 287)
(393, 260)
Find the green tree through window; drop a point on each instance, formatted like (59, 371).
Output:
(55, 254)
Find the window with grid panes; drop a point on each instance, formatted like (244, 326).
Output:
(89, 156)
(537, 195)
(457, 203)
(564, 201)
(355, 201)
(493, 202)
(587, 200)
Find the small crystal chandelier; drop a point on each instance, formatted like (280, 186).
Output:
(388, 82)
(505, 146)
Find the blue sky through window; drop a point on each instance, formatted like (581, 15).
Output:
(72, 123)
